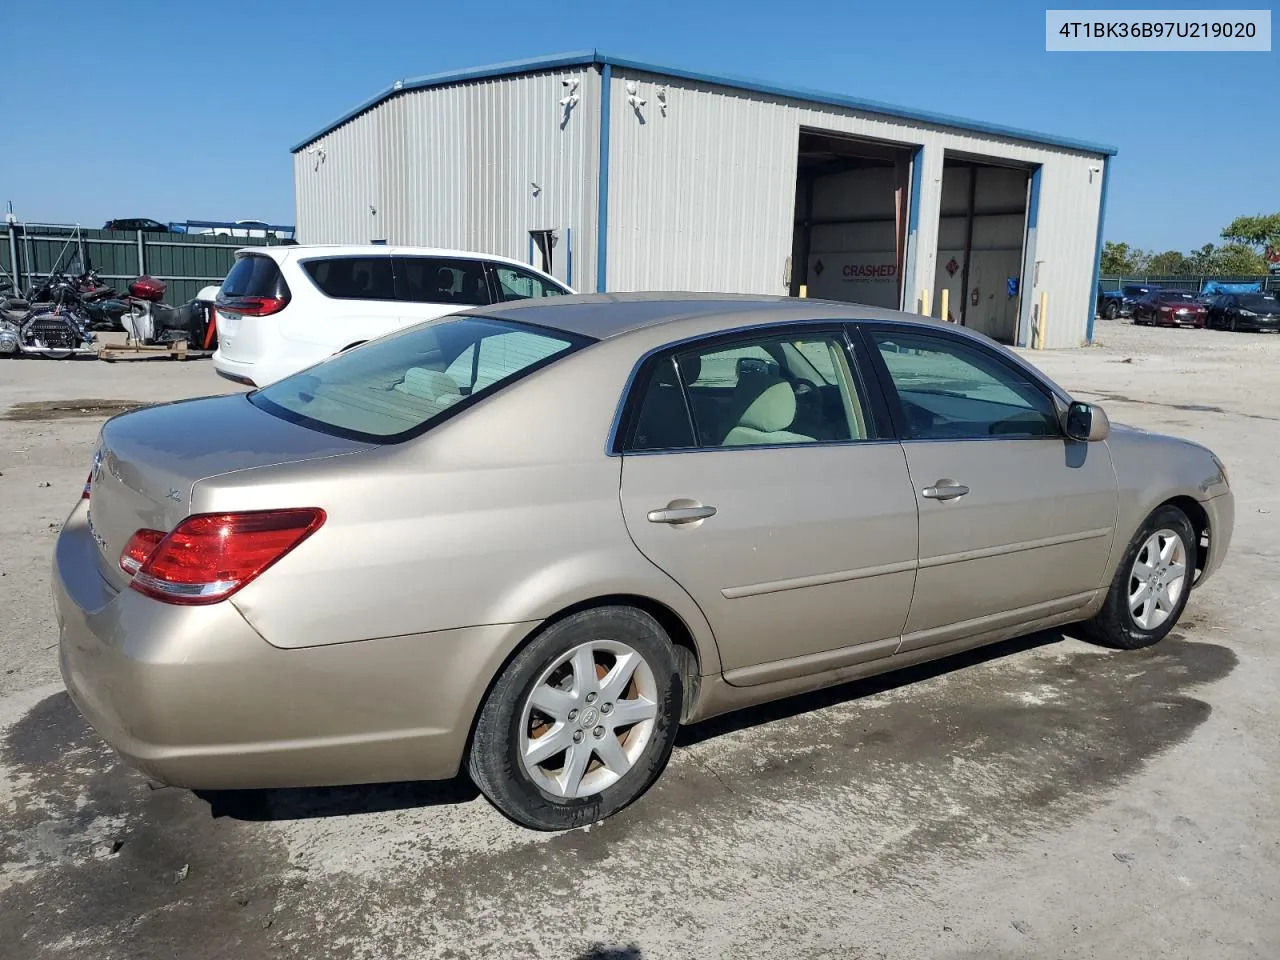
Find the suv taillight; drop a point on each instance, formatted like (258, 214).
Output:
(208, 557)
(253, 306)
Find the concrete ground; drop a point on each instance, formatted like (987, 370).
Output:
(1042, 798)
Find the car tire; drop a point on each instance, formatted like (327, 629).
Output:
(1234, 325)
(1112, 311)
(1122, 624)
(550, 671)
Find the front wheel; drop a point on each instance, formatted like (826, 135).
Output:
(1112, 311)
(1152, 583)
(581, 722)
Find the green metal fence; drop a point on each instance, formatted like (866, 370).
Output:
(1193, 282)
(185, 262)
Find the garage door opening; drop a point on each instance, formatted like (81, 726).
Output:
(851, 219)
(981, 243)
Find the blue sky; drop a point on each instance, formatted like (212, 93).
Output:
(201, 129)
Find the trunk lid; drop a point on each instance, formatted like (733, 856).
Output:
(148, 461)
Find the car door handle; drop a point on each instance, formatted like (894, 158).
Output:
(681, 514)
(945, 489)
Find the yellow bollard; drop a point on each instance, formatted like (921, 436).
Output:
(946, 304)
(804, 290)
(926, 302)
(1044, 318)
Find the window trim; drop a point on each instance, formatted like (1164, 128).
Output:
(898, 417)
(577, 343)
(838, 329)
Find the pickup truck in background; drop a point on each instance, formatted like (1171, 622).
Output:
(1113, 304)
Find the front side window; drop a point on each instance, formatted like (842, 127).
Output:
(759, 391)
(352, 278)
(952, 391)
(516, 284)
(395, 387)
(441, 280)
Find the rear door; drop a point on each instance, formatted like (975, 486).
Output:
(360, 304)
(755, 474)
(1016, 520)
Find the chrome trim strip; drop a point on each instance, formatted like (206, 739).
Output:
(1019, 547)
(816, 580)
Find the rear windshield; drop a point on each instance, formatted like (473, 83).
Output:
(396, 387)
(252, 276)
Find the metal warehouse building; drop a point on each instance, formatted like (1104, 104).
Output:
(618, 175)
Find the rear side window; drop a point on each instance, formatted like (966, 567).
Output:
(396, 387)
(440, 280)
(253, 275)
(352, 278)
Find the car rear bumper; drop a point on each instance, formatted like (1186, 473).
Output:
(237, 371)
(194, 697)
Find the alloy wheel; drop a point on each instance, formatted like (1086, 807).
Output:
(588, 719)
(1157, 579)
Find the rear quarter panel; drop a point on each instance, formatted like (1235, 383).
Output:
(506, 513)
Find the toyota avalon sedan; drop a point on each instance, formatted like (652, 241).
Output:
(529, 541)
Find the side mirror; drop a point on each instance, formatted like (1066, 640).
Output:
(757, 367)
(1087, 422)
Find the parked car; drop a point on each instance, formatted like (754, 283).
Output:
(532, 539)
(1170, 308)
(282, 309)
(139, 223)
(1245, 311)
(1113, 304)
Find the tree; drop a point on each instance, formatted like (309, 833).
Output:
(1238, 259)
(1117, 259)
(1258, 232)
(1171, 261)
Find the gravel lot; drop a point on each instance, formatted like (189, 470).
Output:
(1042, 798)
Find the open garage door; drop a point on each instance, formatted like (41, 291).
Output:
(851, 219)
(981, 237)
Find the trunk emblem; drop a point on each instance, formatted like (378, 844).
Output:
(97, 537)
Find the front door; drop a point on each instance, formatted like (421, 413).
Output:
(753, 474)
(1016, 520)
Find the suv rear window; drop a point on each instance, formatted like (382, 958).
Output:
(352, 278)
(396, 387)
(254, 275)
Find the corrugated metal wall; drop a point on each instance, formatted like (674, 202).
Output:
(701, 196)
(456, 167)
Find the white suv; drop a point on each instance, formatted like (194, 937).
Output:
(281, 309)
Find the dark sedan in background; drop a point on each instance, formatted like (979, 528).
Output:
(1170, 308)
(1245, 311)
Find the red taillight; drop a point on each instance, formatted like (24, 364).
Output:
(254, 306)
(88, 485)
(208, 557)
(139, 547)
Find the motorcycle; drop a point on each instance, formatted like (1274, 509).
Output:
(47, 328)
(149, 321)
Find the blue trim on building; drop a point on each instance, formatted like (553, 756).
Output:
(1033, 202)
(568, 256)
(584, 58)
(913, 230)
(1097, 255)
(602, 183)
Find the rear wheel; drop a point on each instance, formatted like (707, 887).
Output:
(581, 722)
(1112, 311)
(1151, 585)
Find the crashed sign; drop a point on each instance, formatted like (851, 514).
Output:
(870, 278)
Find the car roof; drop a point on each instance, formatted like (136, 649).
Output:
(299, 250)
(607, 315)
